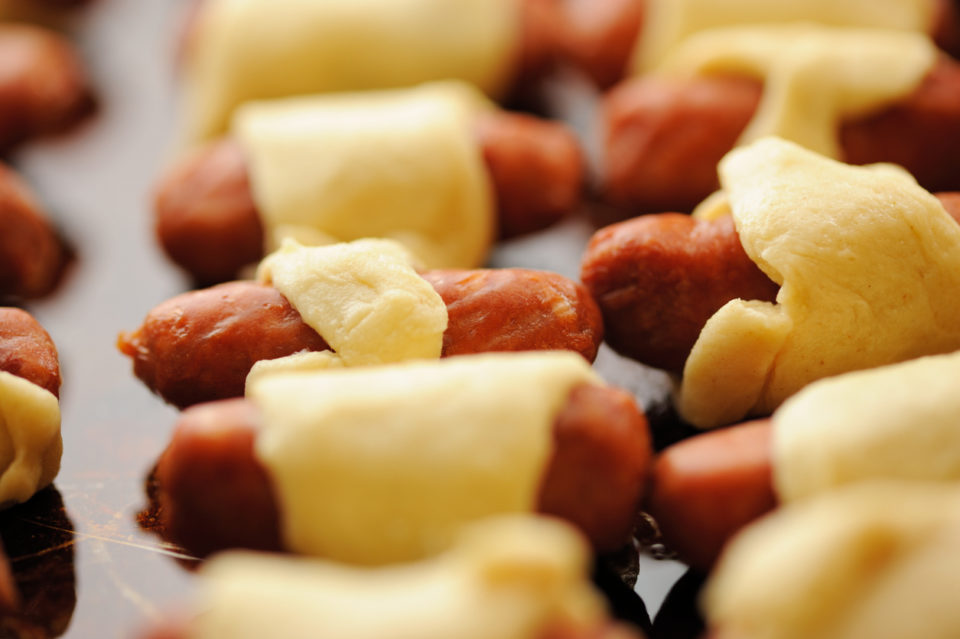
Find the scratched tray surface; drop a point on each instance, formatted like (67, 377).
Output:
(84, 565)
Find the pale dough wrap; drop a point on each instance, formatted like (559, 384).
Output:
(869, 270)
(245, 50)
(899, 422)
(383, 464)
(30, 442)
(504, 578)
(667, 23)
(877, 560)
(400, 164)
(364, 298)
(813, 76)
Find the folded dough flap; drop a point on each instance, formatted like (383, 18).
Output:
(245, 50)
(899, 422)
(504, 578)
(669, 22)
(399, 164)
(877, 560)
(379, 464)
(869, 267)
(814, 76)
(30, 443)
(364, 298)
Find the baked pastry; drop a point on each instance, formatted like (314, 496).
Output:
(242, 51)
(895, 422)
(516, 577)
(436, 167)
(881, 96)
(380, 464)
(837, 240)
(872, 560)
(355, 303)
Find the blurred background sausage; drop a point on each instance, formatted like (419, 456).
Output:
(43, 86)
(27, 351)
(207, 220)
(664, 137)
(199, 346)
(214, 494)
(31, 254)
(706, 488)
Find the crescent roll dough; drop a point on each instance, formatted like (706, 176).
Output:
(504, 578)
(246, 50)
(814, 76)
(30, 442)
(869, 268)
(398, 164)
(877, 560)
(365, 300)
(900, 421)
(379, 464)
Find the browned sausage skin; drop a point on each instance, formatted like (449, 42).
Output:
(664, 137)
(199, 346)
(208, 223)
(516, 309)
(535, 168)
(43, 87)
(598, 471)
(27, 351)
(599, 36)
(206, 219)
(658, 278)
(214, 494)
(706, 488)
(31, 254)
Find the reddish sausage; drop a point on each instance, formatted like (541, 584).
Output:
(599, 36)
(535, 168)
(27, 351)
(199, 346)
(659, 278)
(706, 488)
(43, 87)
(664, 137)
(207, 220)
(31, 255)
(214, 494)
(516, 309)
